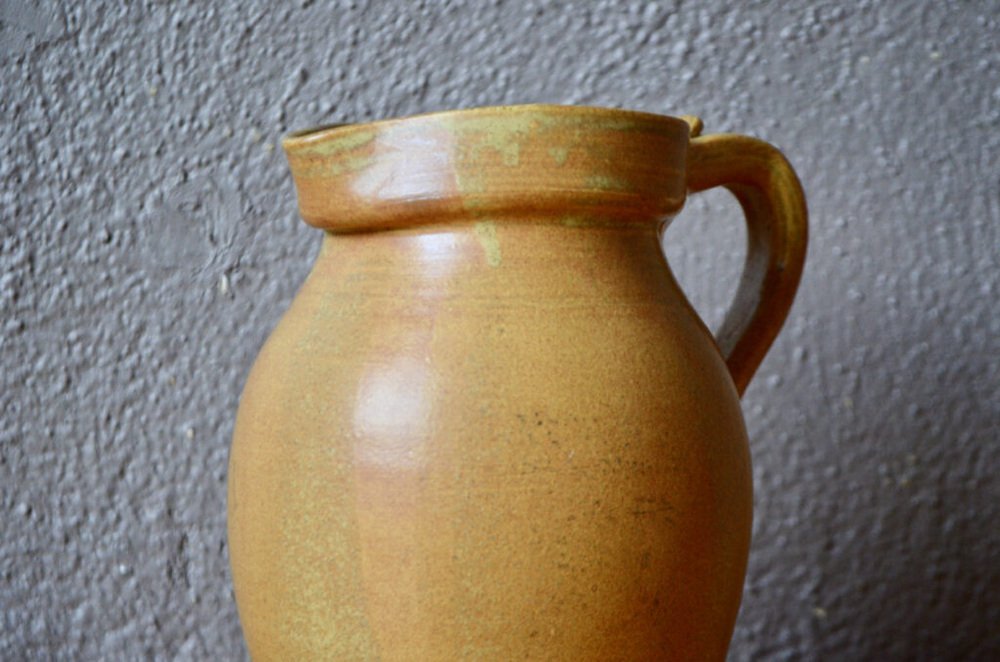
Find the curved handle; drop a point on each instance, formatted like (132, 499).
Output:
(771, 196)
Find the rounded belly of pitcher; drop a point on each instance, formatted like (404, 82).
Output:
(486, 477)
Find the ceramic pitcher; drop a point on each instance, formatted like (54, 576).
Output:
(491, 426)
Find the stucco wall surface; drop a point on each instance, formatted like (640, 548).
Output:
(149, 242)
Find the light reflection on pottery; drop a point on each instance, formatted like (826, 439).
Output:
(491, 426)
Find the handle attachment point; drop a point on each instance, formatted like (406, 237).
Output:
(695, 124)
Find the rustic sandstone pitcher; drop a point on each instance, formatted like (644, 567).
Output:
(490, 426)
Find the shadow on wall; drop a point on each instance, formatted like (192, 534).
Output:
(909, 558)
(930, 566)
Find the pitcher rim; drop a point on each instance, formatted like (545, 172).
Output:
(529, 159)
(302, 138)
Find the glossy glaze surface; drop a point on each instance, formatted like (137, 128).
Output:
(490, 426)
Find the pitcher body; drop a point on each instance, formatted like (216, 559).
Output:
(491, 426)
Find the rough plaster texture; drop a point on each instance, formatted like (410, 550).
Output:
(150, 242)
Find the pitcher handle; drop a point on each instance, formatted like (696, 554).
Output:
(769, 191)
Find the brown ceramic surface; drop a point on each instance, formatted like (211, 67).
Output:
(491, 427)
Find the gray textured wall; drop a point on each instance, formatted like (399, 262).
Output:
(150, 242)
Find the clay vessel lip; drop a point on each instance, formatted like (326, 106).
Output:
(312, 135)
(532, 160)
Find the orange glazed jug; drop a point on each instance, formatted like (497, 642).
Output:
(491, 426)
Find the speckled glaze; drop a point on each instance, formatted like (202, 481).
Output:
(490, 426)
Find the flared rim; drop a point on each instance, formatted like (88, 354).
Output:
(310, 136)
